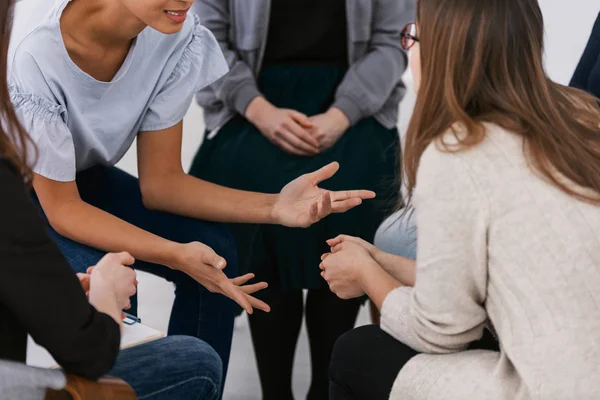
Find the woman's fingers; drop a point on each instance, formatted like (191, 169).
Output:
(324, 173)
(299, 138)
(352, 194)
(256, 303)
(334, 241)
(324, 256)
(126, 258)
(341, 238)
(284, 145)
(214, 260)
(301, 119)
(240, 280)
(314, 213)
(237, 295)
(256, 287)
(324, 205)
(337, 247)
(343, 206)
(301, 133)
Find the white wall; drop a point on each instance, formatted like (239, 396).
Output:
(568, 26)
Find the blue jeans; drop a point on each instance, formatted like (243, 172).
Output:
(196, 311)
(173, 368)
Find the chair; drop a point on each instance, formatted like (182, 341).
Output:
(19, 381)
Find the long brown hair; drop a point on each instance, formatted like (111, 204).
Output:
(482, 61)
(15, 144)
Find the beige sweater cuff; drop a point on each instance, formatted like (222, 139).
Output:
(395, 317)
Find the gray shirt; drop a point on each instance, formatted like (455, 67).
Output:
(77, 121)
(373, 84)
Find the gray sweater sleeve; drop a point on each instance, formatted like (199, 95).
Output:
(445, 310)
(370, 80)
(238, 88)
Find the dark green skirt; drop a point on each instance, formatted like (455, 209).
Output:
(241, 157)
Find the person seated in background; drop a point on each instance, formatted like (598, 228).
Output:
(88, 80)
(503, 169)
(40, 294)
(310, 82)
(587, 74)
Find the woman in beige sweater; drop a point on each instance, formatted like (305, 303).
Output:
(503, 170)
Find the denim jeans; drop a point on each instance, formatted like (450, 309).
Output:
(173, 368)
(196, 312)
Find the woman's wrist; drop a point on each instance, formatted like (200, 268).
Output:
(272, 216)
(255, 108)
(338, 115)
(175, 256)
(102, 296)
(365, 272)
(377, 283)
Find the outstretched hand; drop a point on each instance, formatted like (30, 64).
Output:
(206, 267)
(302, 203)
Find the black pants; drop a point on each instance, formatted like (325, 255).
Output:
(366, 362)
(275, 336)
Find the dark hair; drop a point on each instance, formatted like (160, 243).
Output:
(482, 61)
(15, 144)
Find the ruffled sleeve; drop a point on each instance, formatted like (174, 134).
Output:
(46, 124)
(201, 64)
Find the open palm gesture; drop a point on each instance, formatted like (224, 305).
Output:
(302, 203)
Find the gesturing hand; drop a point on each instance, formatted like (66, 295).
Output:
(302, 203)
(205, 266)
(287, 129)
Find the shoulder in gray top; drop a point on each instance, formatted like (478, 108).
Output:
(78, 122)
(372, 87)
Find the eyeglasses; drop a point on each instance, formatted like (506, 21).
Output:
(409, 36)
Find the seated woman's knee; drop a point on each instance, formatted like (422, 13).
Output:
(347, 351)
(196, 359)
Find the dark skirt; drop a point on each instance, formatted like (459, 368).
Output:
(241, 157)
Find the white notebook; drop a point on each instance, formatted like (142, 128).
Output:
(132, 335)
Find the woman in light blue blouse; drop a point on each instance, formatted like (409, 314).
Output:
(89, 79)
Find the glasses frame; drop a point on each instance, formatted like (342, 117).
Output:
(406, 39)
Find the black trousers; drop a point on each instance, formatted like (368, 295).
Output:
(275, 336)
(366, 362)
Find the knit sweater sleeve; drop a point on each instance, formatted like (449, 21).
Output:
(444, 312)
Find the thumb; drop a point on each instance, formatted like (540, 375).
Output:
(325, 173)
(215, 260)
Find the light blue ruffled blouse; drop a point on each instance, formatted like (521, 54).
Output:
(77, 121)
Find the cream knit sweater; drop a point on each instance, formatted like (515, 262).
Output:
(498, 245)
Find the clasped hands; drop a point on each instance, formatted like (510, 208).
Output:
(347, 265)
(295, 132)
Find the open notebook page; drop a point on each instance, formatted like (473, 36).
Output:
(132, 335)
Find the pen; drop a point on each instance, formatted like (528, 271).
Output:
(131, 317)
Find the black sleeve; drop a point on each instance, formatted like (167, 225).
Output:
(39, 287)
(589, 64)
